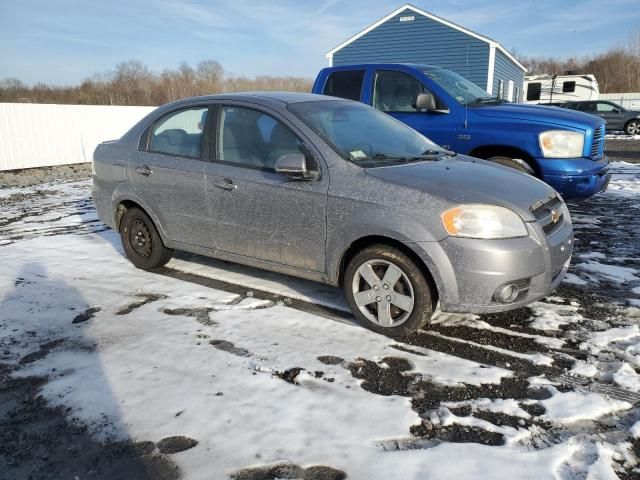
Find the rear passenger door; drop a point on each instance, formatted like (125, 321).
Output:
(168, 173)
(263, 214)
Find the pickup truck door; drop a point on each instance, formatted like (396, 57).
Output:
(394, 92)
(256, 212)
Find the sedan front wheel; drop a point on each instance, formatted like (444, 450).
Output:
(387, 292)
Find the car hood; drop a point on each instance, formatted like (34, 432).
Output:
(539, 114)
(464, 180)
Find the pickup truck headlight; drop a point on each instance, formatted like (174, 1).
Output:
(483, 221)
(561, 144)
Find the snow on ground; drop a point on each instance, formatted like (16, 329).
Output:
(620, 135)
(257, 381)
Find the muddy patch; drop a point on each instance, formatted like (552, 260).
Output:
(201, 314)
(330, 360)
(289, 375)
(229, 347)
(145, 299)
(176, 444)
(288, 471)
(87, 315)
(44, 350)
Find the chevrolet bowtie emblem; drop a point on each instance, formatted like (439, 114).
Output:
(555, 216)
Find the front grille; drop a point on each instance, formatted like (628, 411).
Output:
(549, 213)
(597, 147)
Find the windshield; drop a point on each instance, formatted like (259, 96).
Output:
(364, 135)
(458, 87)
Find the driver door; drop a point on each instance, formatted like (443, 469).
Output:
(394, 93)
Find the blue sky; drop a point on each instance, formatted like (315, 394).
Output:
(64, 41)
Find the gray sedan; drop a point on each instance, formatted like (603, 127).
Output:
(616, 116)
(338, 192)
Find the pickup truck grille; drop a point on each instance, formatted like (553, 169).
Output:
(597, 147)
(549, 213)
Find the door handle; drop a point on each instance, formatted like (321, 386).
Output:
(144, 170)
(226, 184)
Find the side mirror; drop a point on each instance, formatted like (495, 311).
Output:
(425, 101)
(294, 165)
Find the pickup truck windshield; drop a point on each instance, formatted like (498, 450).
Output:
(464, 92)
(364, 135)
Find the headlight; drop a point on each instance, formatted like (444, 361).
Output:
(561, 144)
(483, 221)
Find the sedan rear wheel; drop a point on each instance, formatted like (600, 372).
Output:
(141, 240)
(632, 127)
(387, 292)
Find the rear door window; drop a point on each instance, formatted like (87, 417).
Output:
(179, 133)
(345, 84)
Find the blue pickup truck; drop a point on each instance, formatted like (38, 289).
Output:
(562, 147)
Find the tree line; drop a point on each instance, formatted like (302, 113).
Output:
(616, 70)
(132, 83)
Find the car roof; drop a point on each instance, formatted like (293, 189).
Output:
(417, 66)
(257, 97)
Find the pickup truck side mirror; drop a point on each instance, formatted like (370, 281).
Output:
(294, 165)
(427, 101)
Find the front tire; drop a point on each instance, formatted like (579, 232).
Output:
(141, 241)
(515, 163)
(632, 127)
(387, 292)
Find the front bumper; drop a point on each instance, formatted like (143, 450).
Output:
(576, 177)
(470, 271)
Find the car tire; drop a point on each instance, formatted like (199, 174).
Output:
(141, 241)
(374, 300)
(515, 163)
(632, 127)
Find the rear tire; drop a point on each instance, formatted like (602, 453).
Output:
(387, 292)
(141, 241)
(632, 127)
(514, 163)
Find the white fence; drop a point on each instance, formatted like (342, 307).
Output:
(627, 100)
(38, 135)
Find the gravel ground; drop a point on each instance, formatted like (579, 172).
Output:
(36, 176)
(623, 150)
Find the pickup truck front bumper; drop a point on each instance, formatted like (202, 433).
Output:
(576, 177)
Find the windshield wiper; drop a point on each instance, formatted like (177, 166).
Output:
(486, 100)
(427, 155)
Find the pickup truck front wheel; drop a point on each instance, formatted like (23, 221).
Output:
(516, 163)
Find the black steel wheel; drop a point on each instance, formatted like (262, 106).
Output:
(141, 241)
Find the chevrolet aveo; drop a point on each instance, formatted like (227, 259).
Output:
(334, 191)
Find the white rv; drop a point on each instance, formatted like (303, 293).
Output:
(555, 89)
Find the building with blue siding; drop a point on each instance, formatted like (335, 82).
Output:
(412, 35)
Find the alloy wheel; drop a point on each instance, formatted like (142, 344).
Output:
(383, 293)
